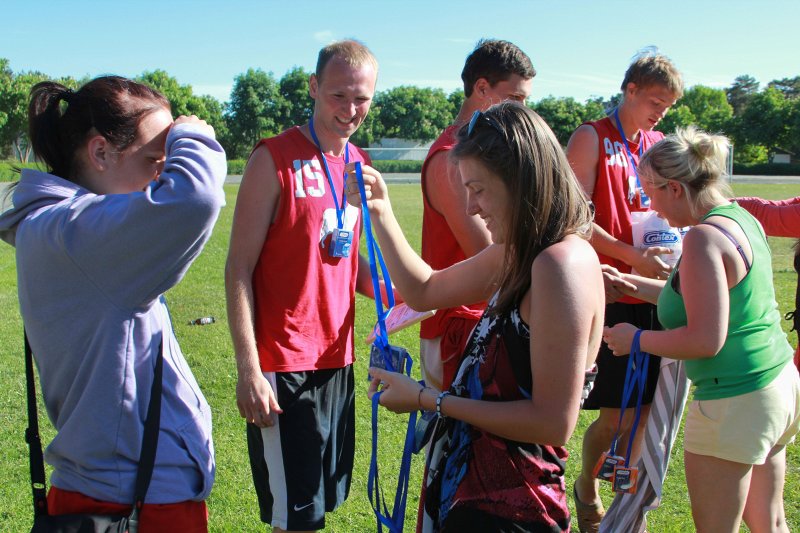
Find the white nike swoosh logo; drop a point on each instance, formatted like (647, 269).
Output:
(300, 508)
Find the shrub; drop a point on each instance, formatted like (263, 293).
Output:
(397, 166)
(236, 166)
(767, 169)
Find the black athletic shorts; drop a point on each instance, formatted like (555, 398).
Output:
(302, 466)
(608, 385)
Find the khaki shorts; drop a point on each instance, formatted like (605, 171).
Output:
(744, 428)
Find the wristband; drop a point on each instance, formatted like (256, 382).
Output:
(419, 397)
(439, 403)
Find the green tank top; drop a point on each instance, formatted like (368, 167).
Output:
(756, 349)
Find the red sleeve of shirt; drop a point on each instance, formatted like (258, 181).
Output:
(780, 218)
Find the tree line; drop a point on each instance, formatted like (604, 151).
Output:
(759, 121)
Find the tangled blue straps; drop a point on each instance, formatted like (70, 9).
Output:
(394, 519)
(636, 375)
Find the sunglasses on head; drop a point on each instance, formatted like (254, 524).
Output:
(480, 116)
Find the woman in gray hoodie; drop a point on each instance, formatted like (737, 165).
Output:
(128, 203)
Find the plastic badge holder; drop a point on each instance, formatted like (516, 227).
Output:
(341, 242)
(625, 479)
(604, 469)
(397, 356)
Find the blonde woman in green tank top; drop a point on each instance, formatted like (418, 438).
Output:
(719, 312)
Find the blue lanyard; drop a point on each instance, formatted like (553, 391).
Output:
(339, 212)
(373, 252)
(392, 520)
(645, 201)
(636, 374)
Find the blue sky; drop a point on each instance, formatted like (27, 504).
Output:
(579, 48)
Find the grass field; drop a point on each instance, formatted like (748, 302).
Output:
(208, 348)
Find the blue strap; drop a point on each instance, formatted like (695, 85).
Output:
(392, 520)
(631, 377)
(645, 200)
(339, 211)
(635, 376)
(642, 362)
(373, 252)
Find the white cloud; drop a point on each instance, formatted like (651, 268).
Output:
(324, 36)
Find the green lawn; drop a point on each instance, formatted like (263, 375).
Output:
(208, 348)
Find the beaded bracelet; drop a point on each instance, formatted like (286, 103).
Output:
(439, 403)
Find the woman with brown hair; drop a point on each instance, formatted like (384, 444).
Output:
(497, 457)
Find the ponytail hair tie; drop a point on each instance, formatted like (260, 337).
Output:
(67, 95)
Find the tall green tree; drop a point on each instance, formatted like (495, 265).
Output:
(297, 104)
(182, 98)
(6, 79)
(254, 111)
(564, 115)
(739, 93)
(765, 120)
(456, 99)
(790, 87)
(409, 112)
(704, 107)
(679, 116)
(14, 98)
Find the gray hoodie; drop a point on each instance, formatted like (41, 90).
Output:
(92, 270)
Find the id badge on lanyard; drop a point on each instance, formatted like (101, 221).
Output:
(341, 238)
(634, 184)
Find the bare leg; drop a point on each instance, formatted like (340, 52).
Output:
(717, 491)
(764, 511)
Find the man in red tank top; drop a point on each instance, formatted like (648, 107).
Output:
(290, 286)
(604, 155)
(495, 71)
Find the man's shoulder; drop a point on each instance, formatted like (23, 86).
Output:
(438, 151)
(288, 135)
(448, 138)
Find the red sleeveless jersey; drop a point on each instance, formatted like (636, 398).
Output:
(304, 297)
(440, 249)
(610, 197)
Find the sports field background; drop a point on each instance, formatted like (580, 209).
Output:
(208, 349)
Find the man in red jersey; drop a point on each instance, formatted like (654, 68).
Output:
(604, 155)
(495, 71)
(292, 271)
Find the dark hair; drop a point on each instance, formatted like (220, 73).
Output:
(111, 106)
(495, 61)
(650, 67)
(355, 53)
(547, 203)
